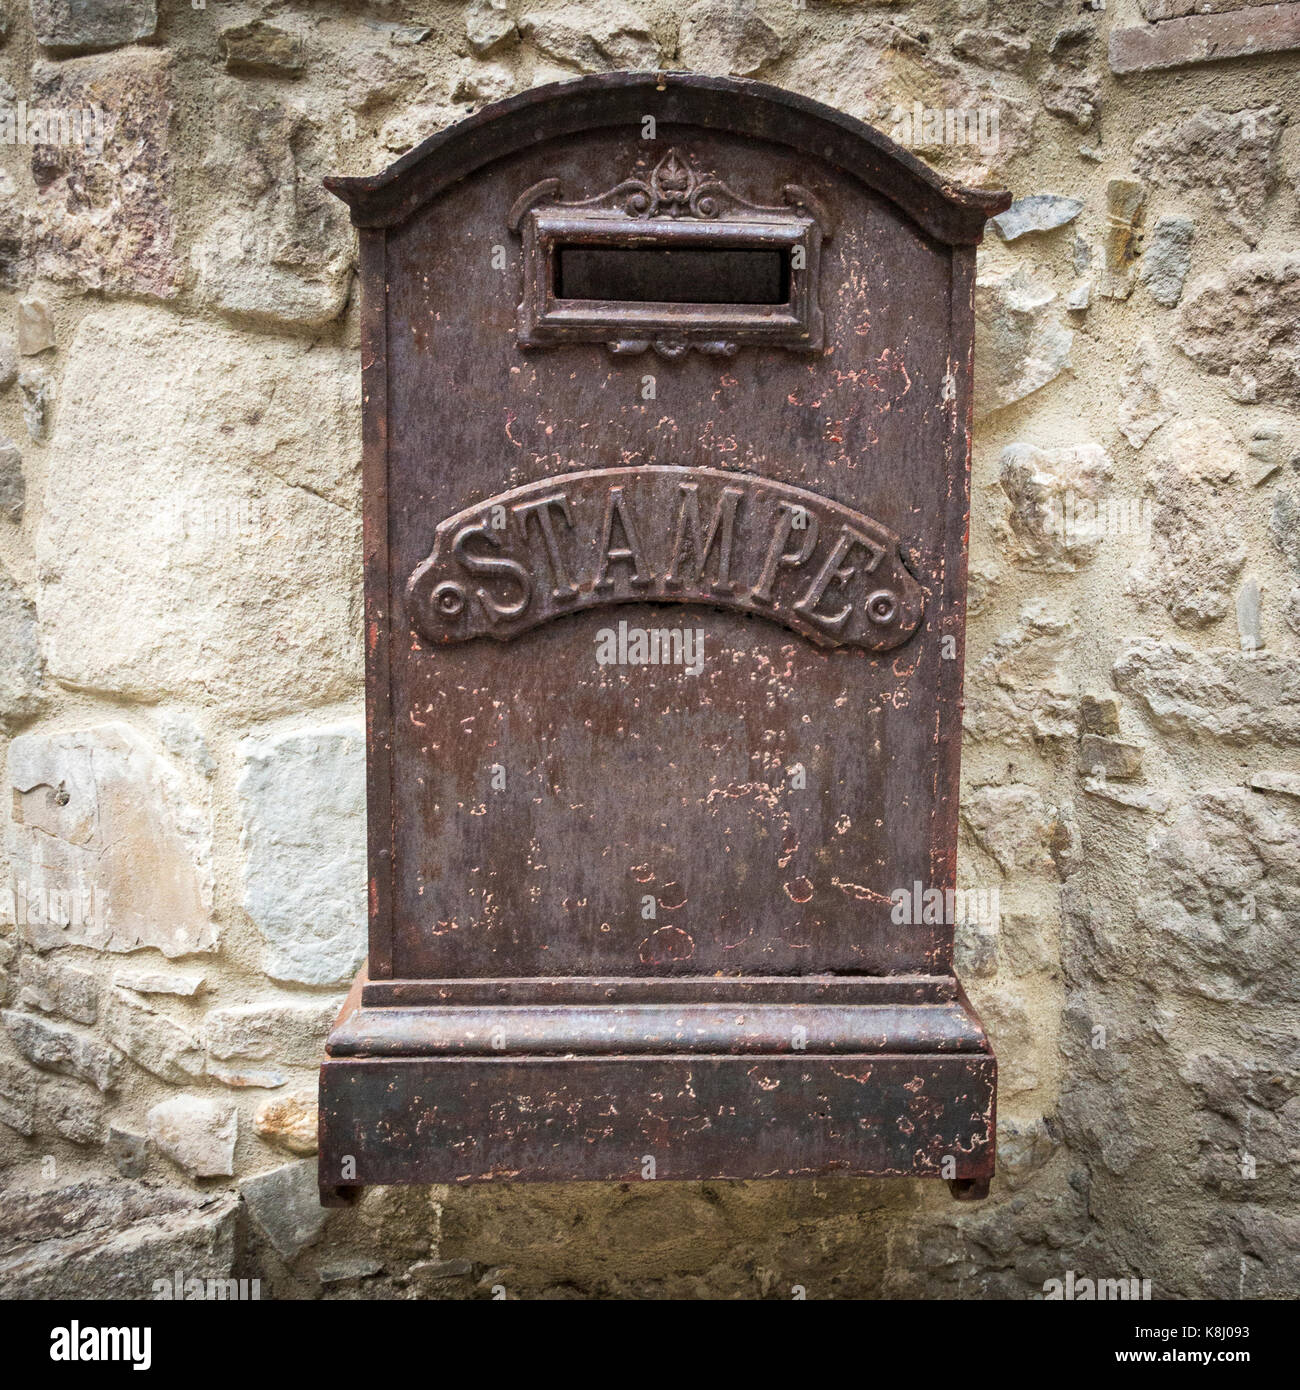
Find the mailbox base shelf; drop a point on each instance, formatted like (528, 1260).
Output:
(472, 1093)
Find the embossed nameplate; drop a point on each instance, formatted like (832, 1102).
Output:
(663, 534)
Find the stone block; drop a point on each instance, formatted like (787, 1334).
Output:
(1205, 38)
(229, 468)
(302, 798)
(197, 1135)
(103, 217)
(84, 26)
(53, 1047)
(108, 849)
(112, 1240)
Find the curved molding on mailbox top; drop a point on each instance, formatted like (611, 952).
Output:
(947, 211)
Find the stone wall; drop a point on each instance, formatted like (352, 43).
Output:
(180, 690)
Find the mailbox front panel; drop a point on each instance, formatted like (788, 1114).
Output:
(762, 795)
(667, 402)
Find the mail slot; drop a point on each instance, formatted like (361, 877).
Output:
(674, 275)
(667, 386)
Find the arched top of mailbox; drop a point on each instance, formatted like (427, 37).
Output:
(948, 211)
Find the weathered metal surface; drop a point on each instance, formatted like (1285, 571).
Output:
(624, 989)
(621, 1119)
(646, 847)
(659, 1028)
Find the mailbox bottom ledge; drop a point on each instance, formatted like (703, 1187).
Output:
(628, 1118)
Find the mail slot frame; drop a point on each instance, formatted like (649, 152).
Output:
(545, 319)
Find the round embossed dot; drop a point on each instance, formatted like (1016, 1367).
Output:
(882, 606)
(448, 600)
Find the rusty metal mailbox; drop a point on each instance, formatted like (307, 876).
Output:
(667, 397)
